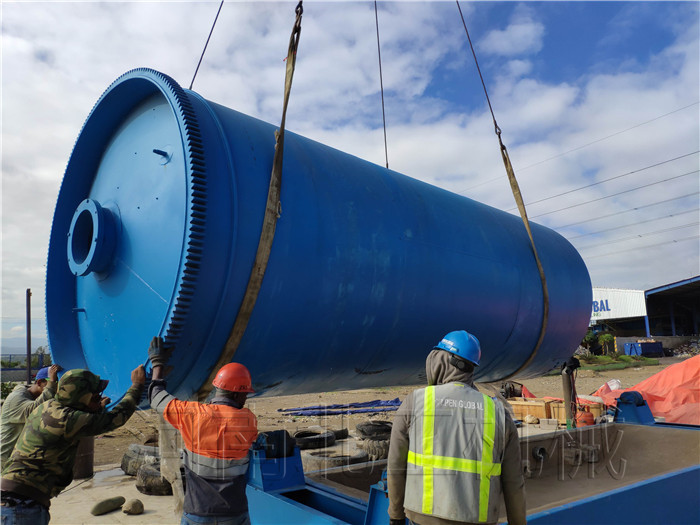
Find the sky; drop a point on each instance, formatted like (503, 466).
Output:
(598, 103)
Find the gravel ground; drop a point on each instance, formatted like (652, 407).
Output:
(109, 448)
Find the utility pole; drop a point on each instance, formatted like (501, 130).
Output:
(29, 336)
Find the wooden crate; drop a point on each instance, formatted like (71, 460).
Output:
(522, 406)
(558, 412)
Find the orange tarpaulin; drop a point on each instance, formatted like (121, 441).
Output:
(673, 393)
(526, 392)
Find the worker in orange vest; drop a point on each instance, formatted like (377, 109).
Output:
(217, 438)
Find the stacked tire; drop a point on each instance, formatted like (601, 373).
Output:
(375, 437)
(314, 442)
(137, 455)
(143, 462)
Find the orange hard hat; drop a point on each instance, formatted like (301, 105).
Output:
(233, 377)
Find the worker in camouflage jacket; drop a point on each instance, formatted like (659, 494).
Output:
(41, 465)
(20, 403)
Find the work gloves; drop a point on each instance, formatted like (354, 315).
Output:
(158, 353)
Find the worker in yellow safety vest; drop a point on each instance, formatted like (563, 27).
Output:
(454, 450)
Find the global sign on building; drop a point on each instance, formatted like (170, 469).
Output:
(616, 303)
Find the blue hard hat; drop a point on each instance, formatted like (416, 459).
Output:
(462, 344)
(43, 373)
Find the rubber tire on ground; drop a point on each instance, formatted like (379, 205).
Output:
(376, 448)
(325, 459)
(137, 455)
(341, 433)
(276, 444)
(149, 481)
(308, 439)
(376, 430)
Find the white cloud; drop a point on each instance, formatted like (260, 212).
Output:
(522, 36)
(518, 68)
(17, 331)
(59, 57)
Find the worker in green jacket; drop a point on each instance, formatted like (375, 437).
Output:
(41, 465)
(454, 451)
(19, 404)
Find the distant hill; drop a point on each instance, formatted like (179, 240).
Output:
(18, 345)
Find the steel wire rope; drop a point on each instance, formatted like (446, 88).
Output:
(609, 179)
(167, 434)
(637, 248)
(381, 83)
(583, 146)
(206, 43)
(517, 195)
(633, 224)
(616, 194)
(636, 208)
(273, 211)
(638, 236)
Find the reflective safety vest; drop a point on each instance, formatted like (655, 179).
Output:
(456, 444)
(217, 438)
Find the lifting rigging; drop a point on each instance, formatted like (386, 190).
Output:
(274, 206)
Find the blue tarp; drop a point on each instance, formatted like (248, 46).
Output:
(377, 405)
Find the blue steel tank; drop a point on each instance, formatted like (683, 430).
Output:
(157, 225)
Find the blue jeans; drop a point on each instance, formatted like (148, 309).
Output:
(22, 514)
(193, 519)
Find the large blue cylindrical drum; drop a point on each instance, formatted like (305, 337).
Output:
(157, 225)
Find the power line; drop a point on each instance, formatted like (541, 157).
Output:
(636, 208)
(609, 179)
(615, 194)
(638, 248)
(583, 146)
(634, 224)
(610, 136)
(622, 239)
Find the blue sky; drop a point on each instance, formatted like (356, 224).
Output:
(594, 99)
(567, 40)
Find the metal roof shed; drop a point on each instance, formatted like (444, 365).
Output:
(674, 309)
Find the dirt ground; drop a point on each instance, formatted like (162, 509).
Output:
(142, 427)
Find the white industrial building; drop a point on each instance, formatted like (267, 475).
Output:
(669, 310)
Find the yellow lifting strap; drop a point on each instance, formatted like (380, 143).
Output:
(515, 188)
(273, 211)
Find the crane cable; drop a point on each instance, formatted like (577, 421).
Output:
(515, 188)
(206, 44)
(168, 436)
(381, 83)
(273, 211)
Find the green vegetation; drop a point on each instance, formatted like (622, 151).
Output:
(610, 362)
(608, 343)
(5, 388)
(599, 343)
(20, 360)
(589, 340)
(614, 361)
